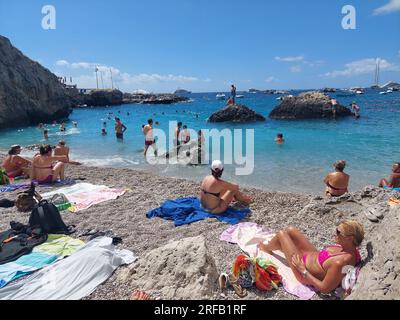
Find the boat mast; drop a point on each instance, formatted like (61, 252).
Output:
(97, 79)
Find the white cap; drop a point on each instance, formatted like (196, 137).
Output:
(217, 165)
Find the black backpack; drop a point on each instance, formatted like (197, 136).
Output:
(47, 216)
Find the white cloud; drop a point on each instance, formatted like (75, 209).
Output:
(316, 63)
(122, 79)
(391, 6)
(271, 79)
(295, 69)
(62, 63)
(364, 66)
(289, 59)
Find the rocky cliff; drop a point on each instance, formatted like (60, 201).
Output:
(308, 105)
(148, 98)
(101, 98)
(29, 93)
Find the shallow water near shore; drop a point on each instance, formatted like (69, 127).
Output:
(370, 145)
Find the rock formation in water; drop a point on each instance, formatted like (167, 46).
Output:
(308, 105)
(103, 97)
(237, 113)
(148, 98)
(30, 93)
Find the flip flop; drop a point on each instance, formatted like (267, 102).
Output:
(223, 281)
(371, 217)
(237, 287)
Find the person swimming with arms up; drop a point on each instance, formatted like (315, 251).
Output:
(216, 194)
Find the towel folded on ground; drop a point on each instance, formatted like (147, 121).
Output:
(248, 236)
(188, 210)
(85, 195)
(56, 247)
(72, 278)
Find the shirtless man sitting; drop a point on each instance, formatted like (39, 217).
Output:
(337, 182)
(394, 178)
(216, 194)
(62, 150)
(47, 168)
(15, 165)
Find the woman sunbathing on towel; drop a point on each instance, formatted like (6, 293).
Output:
(321, 269)
(47, 168)
(216, 194)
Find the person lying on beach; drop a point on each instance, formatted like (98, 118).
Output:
(394, 178)
(62, 150)
(15, 165)
(148, 137)
(337, 182)
(47, 168)
(321, 269)
(216, 194)
(279, 138)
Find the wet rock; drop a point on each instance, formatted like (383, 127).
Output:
(308, 105)
(237, 113)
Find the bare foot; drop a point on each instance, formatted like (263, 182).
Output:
(264, 247)
(140, 295)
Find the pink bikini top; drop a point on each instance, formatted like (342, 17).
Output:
(325, 255)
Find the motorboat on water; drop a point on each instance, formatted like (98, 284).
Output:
(240, 96)
(220, 96)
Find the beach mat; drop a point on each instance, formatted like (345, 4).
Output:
(188, 210)
(74, 277)
(21, 186)
(248, 235)
(55, 248)
(84, 195)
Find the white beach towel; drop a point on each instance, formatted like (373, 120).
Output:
(74, 277)
(85, 195)
(248, 235)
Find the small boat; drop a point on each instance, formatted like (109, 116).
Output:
(240, 96)
(220, 96)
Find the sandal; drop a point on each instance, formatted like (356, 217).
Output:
(223, 281)
(237, 287)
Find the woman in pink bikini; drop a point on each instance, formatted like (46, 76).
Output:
(321, 269)
(46, 168)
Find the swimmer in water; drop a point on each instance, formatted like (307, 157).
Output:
(279, 138)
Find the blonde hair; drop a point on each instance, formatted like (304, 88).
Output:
(340, 165)
(354, 229)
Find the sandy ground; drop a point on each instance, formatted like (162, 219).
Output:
(126, 218)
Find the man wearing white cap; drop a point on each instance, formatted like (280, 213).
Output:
(216, 194)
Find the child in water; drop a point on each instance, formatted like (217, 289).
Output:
(103, 132)
(279, 138)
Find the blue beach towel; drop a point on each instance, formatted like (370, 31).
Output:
(188, 210)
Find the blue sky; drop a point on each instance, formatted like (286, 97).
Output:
(160, 45)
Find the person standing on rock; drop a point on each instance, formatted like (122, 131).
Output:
(334, 106)
(233, 94)
(119, 128)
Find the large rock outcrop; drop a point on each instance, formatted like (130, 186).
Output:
(237, 113)
(101, 98)
(181, 270)
(308, 105)
(29, 93)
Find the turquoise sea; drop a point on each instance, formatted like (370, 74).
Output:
(370, 145)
